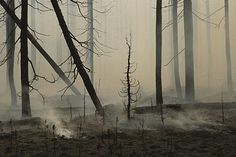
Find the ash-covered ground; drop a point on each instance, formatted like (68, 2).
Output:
(197, 132)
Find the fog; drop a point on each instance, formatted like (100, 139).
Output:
(137, 17)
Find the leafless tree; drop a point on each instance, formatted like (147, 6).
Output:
(131, 86)
(10, 40)
(227, 43)
(90, 39)
(175, 48)
(33, 26)
(209, 50)
(26, 110)
(159, 97)
(41, 49)
(69, 37)
(189, 61)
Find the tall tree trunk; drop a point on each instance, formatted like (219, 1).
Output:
(90, 39)
(33, 26)
(76, 57)
(26, 111)
(159, 99)
(129, 96)
(209, 46)
(170, 34)
(41, 50)
(227, 43)
(195, 38)
(176, 48)
(189, 60)
(10, 39)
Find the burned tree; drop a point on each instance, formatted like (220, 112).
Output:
(159, 98)
(26, 111)
(10, 40)
(33, 26)
(175, 48)
(41, 49)
(76, 58)
(227, 43)
(189, 61)
(131, 86)
(90, 39)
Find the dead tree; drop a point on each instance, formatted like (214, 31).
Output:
(26, 111)
(175, 49)
(159, 98)
(189, 61)
(131, 86)
(227, 45)
(90, 39)
(33, 26)
(10, 40)
(209, 49)
(41, 50)
(76, 58)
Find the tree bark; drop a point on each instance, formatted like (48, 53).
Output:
(26, 111)
(10, 37)
(41, 50)
(209, 46)
(175, 49)
(159, 98)
(227, 43)
(76, 57)
(128, 82)
(33, 26)
(189, 59)
(90, 39)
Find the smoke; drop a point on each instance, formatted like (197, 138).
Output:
(60, 128)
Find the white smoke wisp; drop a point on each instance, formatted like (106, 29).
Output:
(60, 129)
(191, 120)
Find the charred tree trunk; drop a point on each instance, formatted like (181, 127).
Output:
(26, 111)
(227, 43)
(175, 49)
(76, 57)
(10, 40)
(41, 50)
(189, 59)
(159, 99)
(128, 82)
(33, 26)
(90, 39)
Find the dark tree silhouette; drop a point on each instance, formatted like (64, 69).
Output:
(131, 86)
(176, 48)
(33, 26)
(41, 50)
(90, 39)
(10, 40)
(227, 44)
(77, 61)
(159, 98)
(26, 111)
(189, 61)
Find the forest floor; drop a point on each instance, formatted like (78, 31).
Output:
(191, 133)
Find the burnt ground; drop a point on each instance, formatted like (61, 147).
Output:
(37, 138)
